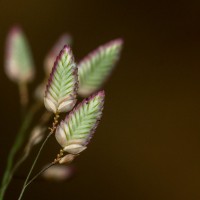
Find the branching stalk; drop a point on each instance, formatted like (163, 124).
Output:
(39, 173)
(38, 154)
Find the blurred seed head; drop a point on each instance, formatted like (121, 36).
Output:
(36, 137)
(19, 65)
(58, 173)
(40, 90)
(65, 39)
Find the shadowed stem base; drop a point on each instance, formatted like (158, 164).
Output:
(15, 147)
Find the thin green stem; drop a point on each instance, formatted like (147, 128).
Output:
(34, 163)
(39, 173)
(16, 146)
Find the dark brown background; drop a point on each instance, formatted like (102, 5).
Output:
(148, 144)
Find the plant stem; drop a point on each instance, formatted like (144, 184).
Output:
(39, 173)
(17, 144)
(24, 98)
(34, 163)
(23, 94)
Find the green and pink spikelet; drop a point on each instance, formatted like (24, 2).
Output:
(61, 90)
(74, 133)
(95, 68)
(48, 63)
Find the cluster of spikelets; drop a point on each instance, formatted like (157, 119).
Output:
(64, 82)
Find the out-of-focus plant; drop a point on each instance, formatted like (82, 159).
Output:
(19, 65)
(58, 92)
(59, 173)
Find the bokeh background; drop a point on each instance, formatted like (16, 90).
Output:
(148, 143)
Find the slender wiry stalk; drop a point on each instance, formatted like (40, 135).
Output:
(39, 173)
(33, 165)
(38, 154)
(17, 144)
